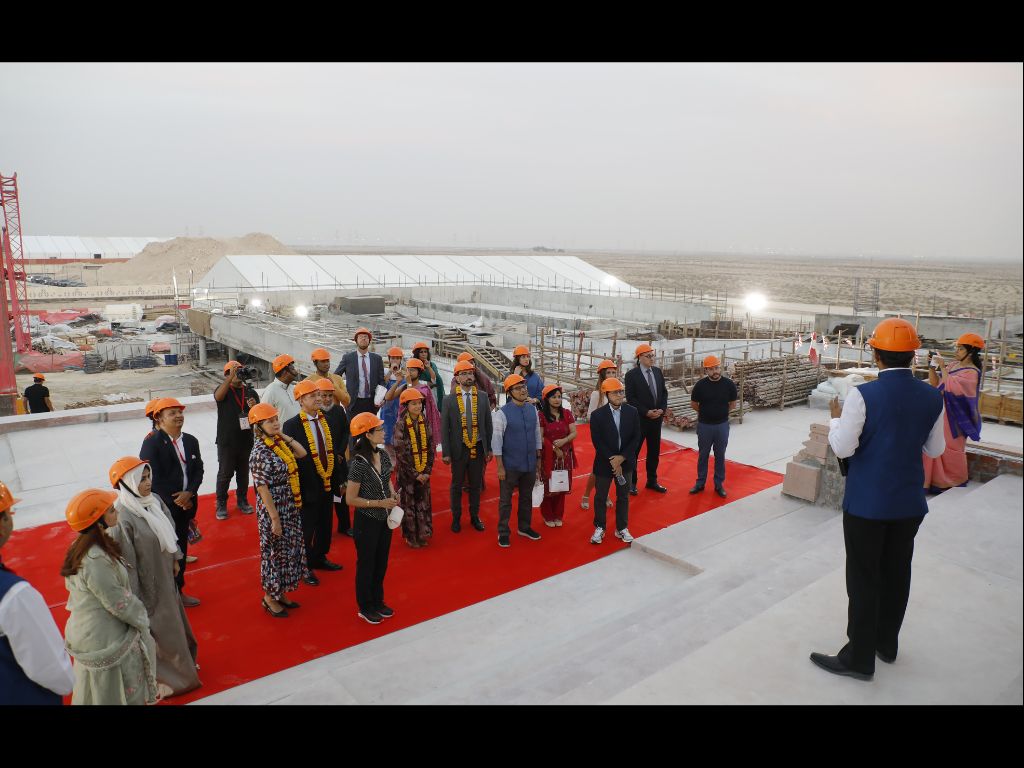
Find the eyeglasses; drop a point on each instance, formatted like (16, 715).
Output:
(651, 355)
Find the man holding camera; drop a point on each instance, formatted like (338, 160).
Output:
(234, 398)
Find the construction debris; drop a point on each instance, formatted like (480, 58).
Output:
(120, 397)
(777, 381)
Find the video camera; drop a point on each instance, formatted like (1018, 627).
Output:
(247, 372)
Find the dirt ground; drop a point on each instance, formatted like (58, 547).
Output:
(146, 383)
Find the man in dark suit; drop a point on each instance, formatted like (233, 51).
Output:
(646, 391)
(317, 493)
(177, 468)
(457, 427)
(337, 420)
(615, 432)
(363, 371)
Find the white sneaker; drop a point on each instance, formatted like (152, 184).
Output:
(558, 523)
(550, 523)
(598, 536)
(624, 534)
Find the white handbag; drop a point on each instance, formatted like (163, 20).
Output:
(559, 481)
(379, 394)
(395, 517)
(538, 493)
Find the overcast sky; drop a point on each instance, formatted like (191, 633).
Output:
(833, 159)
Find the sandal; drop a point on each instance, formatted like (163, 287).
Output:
(585, 502)
(282, 614)
(289, 603)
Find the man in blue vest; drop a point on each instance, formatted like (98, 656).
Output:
(516, 444)
(881, 429)
(34, 667)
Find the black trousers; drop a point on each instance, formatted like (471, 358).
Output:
(601, 486)
(523, 482)
(878, 557)
(181, 518)
(650, 430)
(316, 523)
(233, 459)
(341, 510)
(373, 546)
(360, 405)
(465, 468)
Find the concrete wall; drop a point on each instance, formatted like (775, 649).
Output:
(928, 327)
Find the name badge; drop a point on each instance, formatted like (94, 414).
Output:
(243, 422)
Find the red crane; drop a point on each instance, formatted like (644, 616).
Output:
(14, 285)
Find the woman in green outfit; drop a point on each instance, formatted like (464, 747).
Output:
(431, 374)
(107, 633)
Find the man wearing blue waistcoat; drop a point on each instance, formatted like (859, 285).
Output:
(881, 429)
(516, 443)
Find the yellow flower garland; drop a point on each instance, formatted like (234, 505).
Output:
(421, 449)
(468, 440)
(283, 452)
(325, 473)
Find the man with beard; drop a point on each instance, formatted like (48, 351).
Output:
(234, 398)
(713, 397)
(363, 371)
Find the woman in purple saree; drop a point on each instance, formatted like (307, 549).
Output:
(960, 384)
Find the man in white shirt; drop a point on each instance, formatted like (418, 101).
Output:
(34, 666)
(280, 392)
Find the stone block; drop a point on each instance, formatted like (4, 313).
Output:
(820, 429)
(805, 458)
(816, 449)
(802, 481)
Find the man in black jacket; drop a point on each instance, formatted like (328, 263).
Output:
(234, 438)
(319, 477)
(615, 432)
(337, 420)
(177, 468)
(646, 391)
(457, 446)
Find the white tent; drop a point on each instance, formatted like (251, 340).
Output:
(267, 273)
(65, 247)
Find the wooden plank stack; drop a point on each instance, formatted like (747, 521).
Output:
(777, 381)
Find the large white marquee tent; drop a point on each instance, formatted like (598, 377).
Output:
(67, 247)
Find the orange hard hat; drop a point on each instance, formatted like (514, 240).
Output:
(606, 364)
(420, 345)
(894, 334)
(304, 387)
(464, 365)
(643, 349)
(281, 361)
(320, 354)
(396, 352)
(611, 385)
(151, 405)
(363, 422)
(971, 340)
(367, 331)
(166, 402)
(513, 381)
(522, 349)
(261, 412)
(38, 377)
(464, 356)
(231, 364)
(546, 392)
(123, 466)
(711, 361)
(7, 499)
(414, 362)
(88, 506)
(325, 385)
(411, 394)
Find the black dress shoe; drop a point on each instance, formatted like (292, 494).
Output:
(477, 523)
(834, 665)
(456, 526)
(327, 565)
(656, 487)
(633, 491)
(290, 604)
(885, 657)
(697, 489)
(311, 579)
(721, 492)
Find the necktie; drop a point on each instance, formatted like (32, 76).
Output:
(616, 415)
(366, 377)
(650, 383)
(320, 446)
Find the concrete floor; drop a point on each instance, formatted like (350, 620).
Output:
(723, 608)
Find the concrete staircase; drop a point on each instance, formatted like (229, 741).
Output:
(723, 608)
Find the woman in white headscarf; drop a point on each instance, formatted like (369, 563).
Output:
(145, 531)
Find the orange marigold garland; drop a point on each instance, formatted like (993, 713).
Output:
(324, 472)
(283, 452)
(468, 439)
(419, 452)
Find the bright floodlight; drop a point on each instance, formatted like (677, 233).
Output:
(755, 302)
(256, 303)
(301, 311)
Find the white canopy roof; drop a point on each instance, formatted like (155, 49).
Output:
(66, 247)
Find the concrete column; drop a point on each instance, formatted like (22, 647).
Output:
(202, 351)
(230, 353)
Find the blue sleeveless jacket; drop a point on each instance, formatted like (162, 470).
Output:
(15, 686)
(519, 444)
(886, 473)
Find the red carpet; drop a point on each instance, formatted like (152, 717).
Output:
(238, 642)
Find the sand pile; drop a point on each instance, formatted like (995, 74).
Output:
(153, 266)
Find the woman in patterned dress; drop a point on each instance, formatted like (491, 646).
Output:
(414, 461)
(275, 474)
